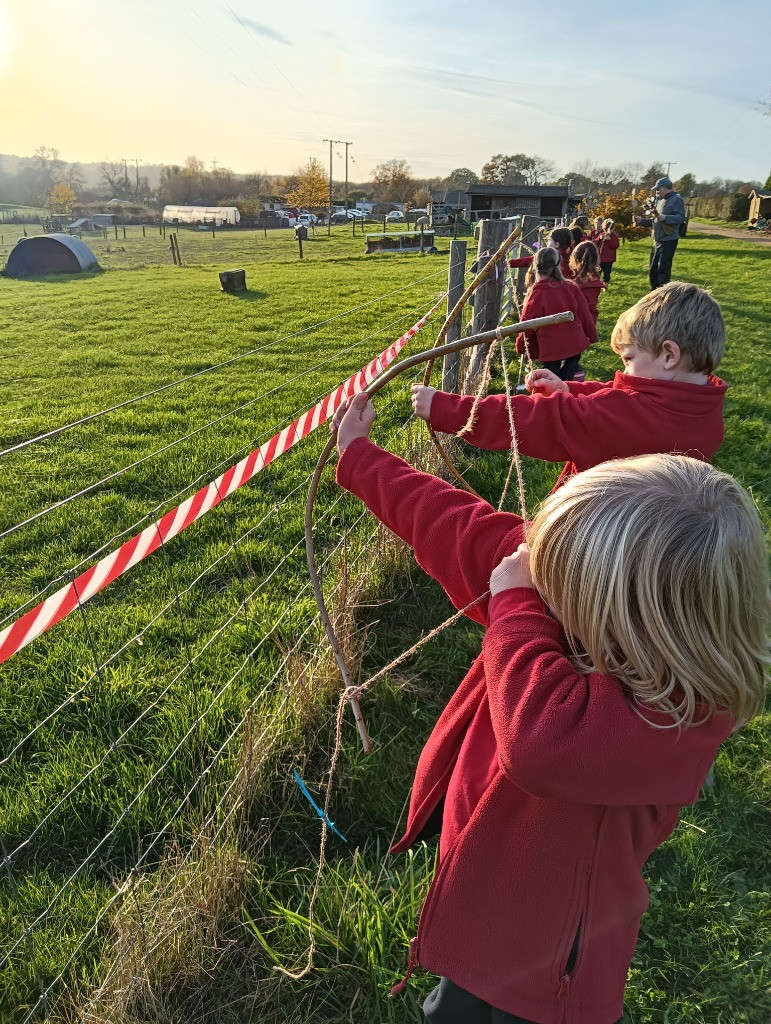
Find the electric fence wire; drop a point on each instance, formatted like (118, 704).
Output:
(217, 366)
(115, 741)
(160, 928)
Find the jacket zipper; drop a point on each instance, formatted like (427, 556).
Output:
(412, 961)
(564, 992)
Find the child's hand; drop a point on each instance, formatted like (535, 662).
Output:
(422, 397)
(513, 571)
(353, 419)
(545, 382)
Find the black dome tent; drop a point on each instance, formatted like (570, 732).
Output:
(49, 254)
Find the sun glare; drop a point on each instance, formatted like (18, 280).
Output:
(7, 41)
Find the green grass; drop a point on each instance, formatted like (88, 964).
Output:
(73, 346)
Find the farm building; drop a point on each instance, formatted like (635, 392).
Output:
(202, 214)
(547, 202)
(49, 254)
(760, 205)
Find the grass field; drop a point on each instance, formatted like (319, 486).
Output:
(232, 889)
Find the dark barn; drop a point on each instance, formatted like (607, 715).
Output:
(49, 254)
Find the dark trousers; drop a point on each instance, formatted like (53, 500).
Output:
(450, 1004)
(606, 269)
(564, 368)
(662, 255)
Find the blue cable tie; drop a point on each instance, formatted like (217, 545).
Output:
(315, 806)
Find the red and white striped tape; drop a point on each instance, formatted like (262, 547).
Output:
(56, 607)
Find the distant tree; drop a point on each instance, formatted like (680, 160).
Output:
(518, 169)
(422, 198)
(392, 181)
(651, 176)
(73, 176)
(686, 185)
(504, 170)
(746, 187)
(112, 175)
(460, 178)
(61, 199)
(767, 186)
(312, 187)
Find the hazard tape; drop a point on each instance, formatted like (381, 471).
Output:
(59, 605)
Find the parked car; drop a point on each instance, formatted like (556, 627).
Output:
(308, 219)
(272, 219)
(338, 218)
(355, 215)
(394, 217)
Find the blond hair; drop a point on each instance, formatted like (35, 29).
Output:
(679, 312)
(655, 566)
(608, 224)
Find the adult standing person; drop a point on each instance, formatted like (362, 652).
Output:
(665, 231)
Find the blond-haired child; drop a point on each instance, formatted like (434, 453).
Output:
(624, 643)
(666, 399)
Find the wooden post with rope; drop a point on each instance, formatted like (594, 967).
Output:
(457, 273)
(487, 298)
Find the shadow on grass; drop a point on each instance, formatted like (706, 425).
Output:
(248, 295)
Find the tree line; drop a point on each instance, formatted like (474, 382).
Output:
(45, 179)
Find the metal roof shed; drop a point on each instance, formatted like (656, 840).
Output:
(49, 254)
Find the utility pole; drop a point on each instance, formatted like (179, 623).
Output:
(670, 163)
(136, 162)
(331, 142)
(346, 144)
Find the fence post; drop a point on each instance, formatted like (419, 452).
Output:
(487, 297)
(456, 277)
(143, 231)
(529, 235)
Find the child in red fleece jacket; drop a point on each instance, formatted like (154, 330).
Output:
(558, 346)
(563, 758)
(665, 400)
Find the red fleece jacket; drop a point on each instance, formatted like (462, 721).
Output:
(578, 792)
(595, 421)
(608, 244)
(590, 289)
(560, 341)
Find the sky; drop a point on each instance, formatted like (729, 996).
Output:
(258, 86)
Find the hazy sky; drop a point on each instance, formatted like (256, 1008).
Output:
(257, 85)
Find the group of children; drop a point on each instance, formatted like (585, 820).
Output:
(626, 639)
(565, 275)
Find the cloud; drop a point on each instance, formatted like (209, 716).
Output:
(262, 30)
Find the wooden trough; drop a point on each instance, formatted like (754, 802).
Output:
(401, 241)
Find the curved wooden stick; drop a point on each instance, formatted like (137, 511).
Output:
(371, 389)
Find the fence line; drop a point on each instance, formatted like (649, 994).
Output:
(118, 776)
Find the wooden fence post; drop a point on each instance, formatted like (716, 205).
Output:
(487, 297)
(456, 276)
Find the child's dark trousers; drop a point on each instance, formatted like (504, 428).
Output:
(450, 1004)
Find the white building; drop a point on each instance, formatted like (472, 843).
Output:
(202, 214)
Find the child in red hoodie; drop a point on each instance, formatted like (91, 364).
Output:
(624, 642)
(560, 239)
(584, 261)
(666, 399)
(607, 243)
(559, 346)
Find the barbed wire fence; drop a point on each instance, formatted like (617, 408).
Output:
(146, 722)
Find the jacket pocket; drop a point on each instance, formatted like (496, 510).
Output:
(568, 955)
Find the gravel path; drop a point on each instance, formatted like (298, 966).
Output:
(744, 234)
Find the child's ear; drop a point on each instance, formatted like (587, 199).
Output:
(670, 351)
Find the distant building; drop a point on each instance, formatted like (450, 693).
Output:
(201, 214)
(103, 220)
(546, 202)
